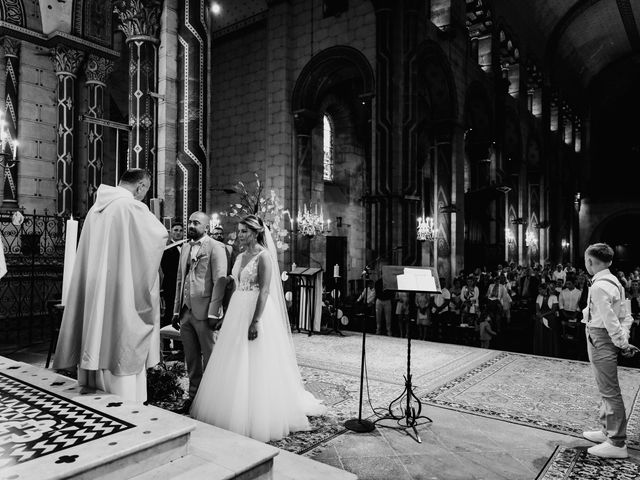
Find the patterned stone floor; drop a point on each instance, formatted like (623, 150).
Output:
(457, 445)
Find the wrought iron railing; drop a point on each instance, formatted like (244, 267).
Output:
(34, 252)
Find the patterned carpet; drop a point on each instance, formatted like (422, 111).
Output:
(431, 363)
(330, 369)
(551, 394)
(575, 464)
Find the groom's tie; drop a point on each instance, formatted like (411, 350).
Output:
(186, 297)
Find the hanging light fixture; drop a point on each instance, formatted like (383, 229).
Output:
(426, 229)
(530, 239)
(509, 236)
(310, 223)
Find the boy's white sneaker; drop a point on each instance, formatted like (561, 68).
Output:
(606, 450)
(595, 436)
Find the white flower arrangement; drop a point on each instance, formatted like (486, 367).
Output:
(270, 209)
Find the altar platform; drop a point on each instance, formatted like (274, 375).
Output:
(52, 429)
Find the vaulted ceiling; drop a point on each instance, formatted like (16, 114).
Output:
(579, 38)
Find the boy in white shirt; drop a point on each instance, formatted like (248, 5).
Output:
(608, 319)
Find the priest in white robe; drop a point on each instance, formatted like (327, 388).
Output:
(111, 321)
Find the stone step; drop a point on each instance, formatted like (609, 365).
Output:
(217, 454)
(54, 429)
(289, 466)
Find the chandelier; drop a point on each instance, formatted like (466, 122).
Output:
(530, 239)
(8, 146)
(509, 236)
(310, 223)
(426, 229)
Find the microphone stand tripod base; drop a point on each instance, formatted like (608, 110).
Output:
(359, 426)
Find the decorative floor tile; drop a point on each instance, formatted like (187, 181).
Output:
(34, 422)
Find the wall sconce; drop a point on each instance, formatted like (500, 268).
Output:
(8, 146)
(565, 244)
(543, 225)
(448, 209)
(577, 200)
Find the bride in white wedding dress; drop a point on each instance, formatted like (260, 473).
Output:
(252, 385)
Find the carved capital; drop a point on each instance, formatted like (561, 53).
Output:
(66, 60)
(98, 69)
(11, 47)
(139, 17)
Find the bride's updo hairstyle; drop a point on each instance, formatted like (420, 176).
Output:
(255, 223)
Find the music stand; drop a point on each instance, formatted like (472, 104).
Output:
(398, 278)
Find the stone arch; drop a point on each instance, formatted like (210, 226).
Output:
(12, 11)
(338, 82)
(331, 67)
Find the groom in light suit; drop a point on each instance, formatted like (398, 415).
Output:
(200, 288)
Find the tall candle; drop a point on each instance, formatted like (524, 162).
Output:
(70, 244)
(336, 270)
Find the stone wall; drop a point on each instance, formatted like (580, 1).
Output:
(238, 116)
(36, 129)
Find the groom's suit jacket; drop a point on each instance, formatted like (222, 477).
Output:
(207, 277)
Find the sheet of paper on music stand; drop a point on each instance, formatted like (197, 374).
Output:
(414, 279)
(410, 278)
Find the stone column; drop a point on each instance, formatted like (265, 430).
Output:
(140, 22)
(193, 109)
(66, 62)
(12, 68)
(304, 121)
(379, 211)
(96, 70)
(280, 166)
(457, 201)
